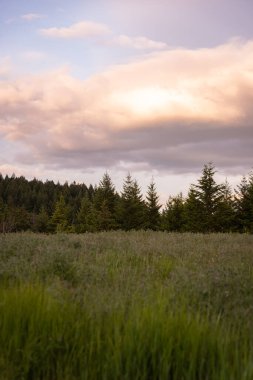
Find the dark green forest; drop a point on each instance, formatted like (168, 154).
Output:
(48, 207)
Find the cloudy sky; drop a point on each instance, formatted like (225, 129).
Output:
(154, 87)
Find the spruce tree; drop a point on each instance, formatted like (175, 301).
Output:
(86, 216)
(225, 214)
(153, 217)
(207, 196)
(60, 219)
(193, 212)
(173, 216)
(106, 191)
(132, 207)
(41, 223)
(244, 205)
(2, 215)
(105, 201)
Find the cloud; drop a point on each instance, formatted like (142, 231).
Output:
(86, 29)
(141, 43)
(32, 16)
(171, 111)
(82, 29)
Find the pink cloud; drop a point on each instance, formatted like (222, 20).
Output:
(81, 29)
(32, 16)
(177, 107)
(140, 43)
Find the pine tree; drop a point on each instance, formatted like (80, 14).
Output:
(153, 217)
(173, 216)
(132, 207)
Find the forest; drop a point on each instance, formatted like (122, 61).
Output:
(50, 207)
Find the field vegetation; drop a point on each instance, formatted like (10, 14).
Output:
(126, 305)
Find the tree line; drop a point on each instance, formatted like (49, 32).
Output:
(48, 207)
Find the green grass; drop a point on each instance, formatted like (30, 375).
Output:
(138, 305)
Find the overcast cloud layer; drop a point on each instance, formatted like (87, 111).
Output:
(171, 110)
(155, 87)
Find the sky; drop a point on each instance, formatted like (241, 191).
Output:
(157, 88)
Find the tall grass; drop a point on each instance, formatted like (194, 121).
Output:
(43, 338)
(126, 306)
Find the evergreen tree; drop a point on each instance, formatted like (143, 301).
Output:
(41, 223)
(153, 217)
(105, 200)
(86, 216)
(52, 207)
(29, 198)
(193, 212)
(244, 205)
(106, 191)
(225, 214)
(132, 207)
(2, 216)
(60, 218)
(105, 218)
(17, 219)
(207, 196)
(173, 216)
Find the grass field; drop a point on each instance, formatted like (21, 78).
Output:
(137, 305)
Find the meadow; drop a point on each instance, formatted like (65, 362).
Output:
(126, 305)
